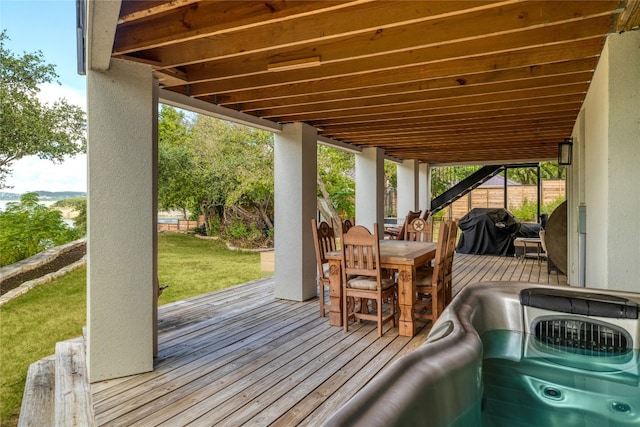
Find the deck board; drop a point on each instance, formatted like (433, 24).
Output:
(242, 357)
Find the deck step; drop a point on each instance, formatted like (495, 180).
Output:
(38, 400)
(73, 403)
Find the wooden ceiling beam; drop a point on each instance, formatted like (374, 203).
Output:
(471, 133)
(358, 39)
(449, 96)
(456, 69)
(514, 137)
(514, 111)
(212, 21)
(452, 122)
(445, 127)
(585, 65)
(251, 72)
(543, 96)
(135, 10)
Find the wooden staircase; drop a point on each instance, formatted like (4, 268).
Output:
(57, 391)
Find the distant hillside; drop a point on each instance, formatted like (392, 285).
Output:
(44, 195)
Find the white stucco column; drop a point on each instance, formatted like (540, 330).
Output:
(612, 156)
(424, 186)
(370, 188)
(121, 220)
(408, 186)
(295, 158)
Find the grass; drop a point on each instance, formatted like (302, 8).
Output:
(31, 325)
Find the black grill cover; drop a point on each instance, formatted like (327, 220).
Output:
(487, 231)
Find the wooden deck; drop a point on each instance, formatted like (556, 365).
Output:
(242, 357)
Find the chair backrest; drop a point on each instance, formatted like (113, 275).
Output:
(419, 230)
(407, 220)
(325, 241)
(542, 241)
(346, 225)
(452, 239)
(439, 263)
(361, 252)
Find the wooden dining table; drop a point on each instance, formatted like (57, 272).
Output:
(401, 255)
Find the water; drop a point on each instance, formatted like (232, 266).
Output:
(526, 385)
(3, 205)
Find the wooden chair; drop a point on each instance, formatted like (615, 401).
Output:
(325, 241)
(362, 278)
(419, 230)
(452, 241)
(346, 225)
(398, 233)
(430, 284)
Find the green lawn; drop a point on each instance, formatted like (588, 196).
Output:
(31, 325)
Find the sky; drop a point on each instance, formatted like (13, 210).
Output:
(48, 26)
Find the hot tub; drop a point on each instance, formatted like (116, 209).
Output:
(514, 354)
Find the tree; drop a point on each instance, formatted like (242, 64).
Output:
(233, 175)
(336, 185)
(28, 126)
(175, 161)
(28, 227)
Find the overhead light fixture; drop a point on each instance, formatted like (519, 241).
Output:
(565, 151)
(294, 64)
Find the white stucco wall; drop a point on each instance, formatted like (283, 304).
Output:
(624, 161)
(370, 188)
(612, 166)
(295, 164)
(121, 221)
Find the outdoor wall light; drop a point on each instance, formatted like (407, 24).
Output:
(565, 151)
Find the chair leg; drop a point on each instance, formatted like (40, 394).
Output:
(321, 287)
(345, 315)
(379, 313)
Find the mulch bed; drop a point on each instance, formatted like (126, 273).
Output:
(61, 261)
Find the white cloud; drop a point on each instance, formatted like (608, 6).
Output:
(50, 92)
(33, 174)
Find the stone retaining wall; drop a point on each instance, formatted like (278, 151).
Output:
(37, 261)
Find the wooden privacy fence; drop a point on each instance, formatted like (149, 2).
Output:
(166, 224)
(493, 197)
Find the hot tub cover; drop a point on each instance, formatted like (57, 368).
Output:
(487, 231)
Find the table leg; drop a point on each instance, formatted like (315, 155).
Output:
(335, 293)
(406, 300)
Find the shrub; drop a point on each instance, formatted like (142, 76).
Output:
(27, 228)
(528, 210)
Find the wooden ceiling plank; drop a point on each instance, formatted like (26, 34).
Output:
(490, 101)
(464, 132)
(455, 68)
(214, 19)
(368, 29)
(514, 137)
(528, 38)
(462, 94)
(575, 67)
(376, 41)
(133, 10)
(513, 110)
(451, 126)
(629, 19)
(450, 122)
